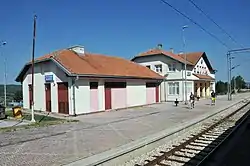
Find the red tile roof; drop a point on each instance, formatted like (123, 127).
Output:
(157, 51)
(193, 57)
(99, 65)
(206, 77)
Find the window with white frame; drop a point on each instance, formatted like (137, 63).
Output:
(173, 88)
(194, 70)
(172, 67)
(158, 68)
(189, 88)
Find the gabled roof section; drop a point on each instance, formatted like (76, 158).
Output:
(158, 51)
(194, 57)
(98, 65)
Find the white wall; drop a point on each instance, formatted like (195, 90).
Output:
(136, 90)
(82, 96)
(101, 95)
(136, 93)
(179, 74)
(40, 70)
(181, 95)
(202, 63)
(163, 91)
(160, 59)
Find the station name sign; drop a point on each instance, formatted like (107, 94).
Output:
(49, 78)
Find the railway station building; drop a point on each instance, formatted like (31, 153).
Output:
(72, 81)
(200, 74)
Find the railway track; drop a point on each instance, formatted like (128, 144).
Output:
(196, 149)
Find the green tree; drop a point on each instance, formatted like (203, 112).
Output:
(238, 83)
(18, 96)
(221, 87)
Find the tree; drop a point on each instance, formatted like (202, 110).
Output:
(18, 96)
(240, 82)
(221, 87)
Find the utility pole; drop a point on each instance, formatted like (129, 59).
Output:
(230, 77)
(5, 76)
(235, 84)
(5, 83)
(32, 71)
(229, 64)
(184, 44)
(228, 81)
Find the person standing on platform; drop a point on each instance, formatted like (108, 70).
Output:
(191, 97)
(212, 98)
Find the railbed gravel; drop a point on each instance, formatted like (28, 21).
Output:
(182, 137)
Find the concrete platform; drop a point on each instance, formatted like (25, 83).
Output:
(97, 136)
(11, 123)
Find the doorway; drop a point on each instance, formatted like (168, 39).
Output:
(63, 99)
(48, 97)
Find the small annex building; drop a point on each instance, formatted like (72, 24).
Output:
(71, 81)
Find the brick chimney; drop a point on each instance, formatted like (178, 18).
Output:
(172, 50)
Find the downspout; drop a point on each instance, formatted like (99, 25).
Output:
(165, 97)
(182, 84)
(74, 94)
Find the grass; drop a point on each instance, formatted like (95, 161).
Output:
(41, 121)
(39, 118)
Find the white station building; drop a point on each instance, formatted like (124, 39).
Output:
(71, 81)
(200, 74)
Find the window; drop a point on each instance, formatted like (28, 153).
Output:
(93, 85)
(158, 68)
(194, 70)
(115, 84)
(151, 84)
(148, 66)
(173, 88)
(201, 61)
(172, 67)
(189, 88)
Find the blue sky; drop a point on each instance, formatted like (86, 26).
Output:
(121, 28)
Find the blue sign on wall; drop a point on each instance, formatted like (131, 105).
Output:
(48, 78)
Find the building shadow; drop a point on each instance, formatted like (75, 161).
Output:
(203, 159)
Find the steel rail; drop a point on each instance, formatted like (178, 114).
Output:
(171, 152)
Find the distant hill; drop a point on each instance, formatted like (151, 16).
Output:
(11, 90)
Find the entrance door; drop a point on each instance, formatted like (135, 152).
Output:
(63, 99)
(201, 87)
(30, 96)
(48, 97)
(195, 89)
(157, 93)
(107, 98)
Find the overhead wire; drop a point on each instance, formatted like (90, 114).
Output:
(212, 20)
(197, 24)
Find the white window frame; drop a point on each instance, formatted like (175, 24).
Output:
(172, 67)
(173, 88)
(158, 68)
(189, 87)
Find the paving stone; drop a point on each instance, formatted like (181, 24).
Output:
(96, 133)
